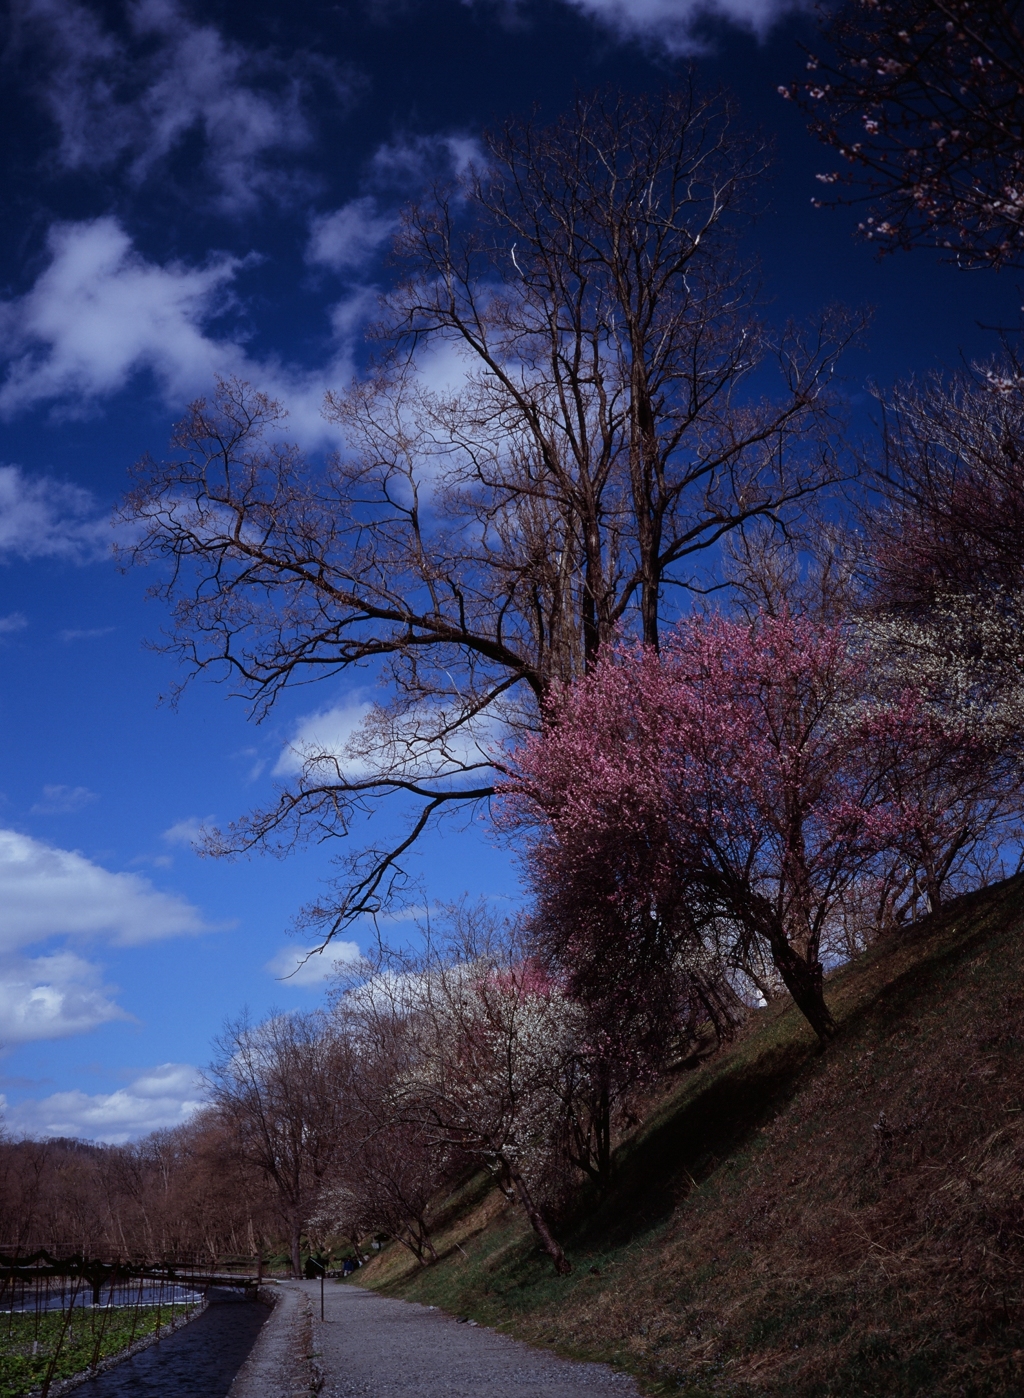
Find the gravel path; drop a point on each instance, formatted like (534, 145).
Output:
(277, 1365)
(369, 1346)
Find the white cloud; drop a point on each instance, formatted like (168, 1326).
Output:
(671, 24)
(130, 98)
(188, 831)
(409, 162)
(13, 621)
(325, 734)
(356, 740)
(348, 238)
(443, 368)
(164, 1096)
(51, 997)
(44, 518)
(46, 892)
(349, 315)
(63, 800)
(300, 968)
(100, 313)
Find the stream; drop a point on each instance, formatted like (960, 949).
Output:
(198, 1361)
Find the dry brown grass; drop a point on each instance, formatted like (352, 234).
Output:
(791, 1222)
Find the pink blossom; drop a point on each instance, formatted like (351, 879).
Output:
(747, 771)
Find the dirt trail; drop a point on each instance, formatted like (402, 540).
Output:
(369, 1346)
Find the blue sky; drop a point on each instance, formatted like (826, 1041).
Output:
(200, 190)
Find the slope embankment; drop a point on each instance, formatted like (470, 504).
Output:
(831, 1224)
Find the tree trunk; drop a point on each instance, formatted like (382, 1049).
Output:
(644, 454)
(932, 887)
(803, 980)
(426, 1245)
(296, 1248)
(539, 1225)
(591, 1139)
(802, 975)
(603, 1138)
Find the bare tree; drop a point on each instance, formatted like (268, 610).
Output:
(389, 1171)
(181, 1194)
(280, 1087)
(953, 479)
(924, 101)
(615, 416)
(390, 1178)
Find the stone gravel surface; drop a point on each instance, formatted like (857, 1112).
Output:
(370, 1346)
(278, 1363)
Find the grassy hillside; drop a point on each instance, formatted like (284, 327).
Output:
(795, 1222)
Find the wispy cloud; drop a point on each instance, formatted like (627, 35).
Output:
(406, 163)
(14, 621)
(348, 238)
(674, 25)
(87, 633)
(44, 518)
(187, 832)
(300, 967)
(161, 1097)
(63, 800)
(100, 313)
(129, 97)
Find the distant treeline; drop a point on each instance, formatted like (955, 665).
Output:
(178, 1193)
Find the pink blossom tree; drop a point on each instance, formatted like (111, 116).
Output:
(745, 775)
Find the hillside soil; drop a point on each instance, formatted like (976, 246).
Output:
(820, 1224)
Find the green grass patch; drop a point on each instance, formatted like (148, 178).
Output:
(28, 1342)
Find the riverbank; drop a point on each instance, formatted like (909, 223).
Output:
(57, 1390)
(89, 1342)
(200, 1360)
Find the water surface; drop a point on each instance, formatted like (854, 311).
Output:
(198, 1361)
